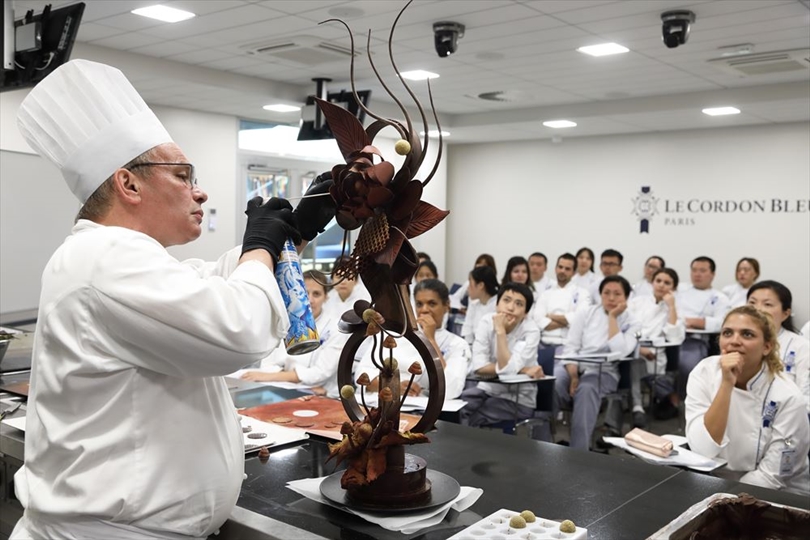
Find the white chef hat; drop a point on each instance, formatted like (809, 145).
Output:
(88, 120)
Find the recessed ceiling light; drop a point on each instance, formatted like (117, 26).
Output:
(164, 13)
(559, 124)
(281, 107)
(604, 49)
(419, 75)
(721, 111)
(435, 133)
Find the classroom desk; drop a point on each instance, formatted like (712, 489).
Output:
(612, 496)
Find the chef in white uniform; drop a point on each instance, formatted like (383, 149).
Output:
(605, 328)
(741, 408)
(505, 344)
(745, 275)
(345, 292)
(610, 264)
(432, 307)
(558, 304)
(702, 308)
(794, 350)
(317, 369)
(538, 264)
(645, 287)
(131, 343)
(483, 293)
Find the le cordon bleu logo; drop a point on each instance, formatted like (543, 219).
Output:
(682, 212)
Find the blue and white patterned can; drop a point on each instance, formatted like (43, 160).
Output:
(303, 334)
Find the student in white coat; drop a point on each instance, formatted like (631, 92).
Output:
(483, 291)
(131, 343)
(346, 293)
(558, 305)
(318, 368)
(432, 306)
(505, 344)
(652, 265)
(585, 276)
(805, 331)
(776, 300)
(610, 264)
(746, 274)
(659, 320)
(741, 408)
(702, 308)
(538, 265)
(459, 299)
(605, 328)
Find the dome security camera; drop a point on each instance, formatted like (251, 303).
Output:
(445, 37)
(676, 26)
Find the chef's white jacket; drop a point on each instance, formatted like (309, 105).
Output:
(737, 296)
(566, 301)
(456, 355)
(588, 334)
(653, 317)
(337, 307)
(795, 353)
(805, 331)
(523, 342)
(542, 285)
(131, 432)
(643, 288)
(748, 444)
(586, 280)
(475, 312)
(710, 304)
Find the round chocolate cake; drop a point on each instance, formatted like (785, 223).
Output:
(403, 484)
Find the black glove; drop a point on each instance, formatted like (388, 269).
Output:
(269, 225)
(314, 214)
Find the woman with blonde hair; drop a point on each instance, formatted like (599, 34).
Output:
(740, 407)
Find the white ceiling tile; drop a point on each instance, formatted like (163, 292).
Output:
(199, 56)
(125, 41)
(164, 48)
(91, 31)
(557, 6)
(232, 18)
(205, 7)
(232, 63)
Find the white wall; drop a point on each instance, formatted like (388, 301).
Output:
(515, 198)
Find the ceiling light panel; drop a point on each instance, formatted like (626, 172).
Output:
(164, 13)
(559, 124)
(603, 49)
(721, 111)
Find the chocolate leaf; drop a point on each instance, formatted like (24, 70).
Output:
(347, 129)
(406, 200)
(405, 264)
(425, 217)
(369, 149)
(382, 172)
(376, 463)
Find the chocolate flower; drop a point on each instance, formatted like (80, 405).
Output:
(360, 187)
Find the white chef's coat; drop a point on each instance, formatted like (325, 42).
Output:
(475, 312)
(643, 288)
(319, 367)
(586, 280)
(559, 300)
(457, 297)
(523, 342)
(653, 317)
(805, 331)
(130, 427)
(542, 285)
(795, 353)
(749, 446)
(710, 304)
(737, 296)
(337, 307)
(588, 334)
(456, 355)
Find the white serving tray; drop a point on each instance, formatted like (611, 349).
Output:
(496, 527)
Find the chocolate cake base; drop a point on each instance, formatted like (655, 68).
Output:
(400, 486)
(746, 518)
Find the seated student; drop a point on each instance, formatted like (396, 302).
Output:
(651, 266)
(558, 304)
(604, 328)
(426, 270)
(482, 289)
(348, 292)
(584, 276)
(458, 299)
(805, 331)
(775, 299)
(421, 256)
(517, 271)
(505, 344)
(317, 368)
(741, 408)
(659, 319)
(610, 264)
(432, 305)
(538, 264)
(746, 274)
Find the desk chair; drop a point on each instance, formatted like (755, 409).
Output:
(544, 404)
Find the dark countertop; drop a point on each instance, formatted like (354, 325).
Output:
(604, 494)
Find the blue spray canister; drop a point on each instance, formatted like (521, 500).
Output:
(303, 334)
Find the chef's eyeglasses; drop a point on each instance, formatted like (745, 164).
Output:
(189, 178)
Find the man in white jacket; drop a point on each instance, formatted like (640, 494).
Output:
(131, 343)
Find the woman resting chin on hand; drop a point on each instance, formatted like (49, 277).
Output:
(741, 408)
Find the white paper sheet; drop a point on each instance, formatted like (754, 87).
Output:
(419, 403)
(591, 357)
(276, 434)
(684, 458)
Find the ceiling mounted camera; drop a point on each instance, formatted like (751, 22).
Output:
(676, 26)
(445, 37)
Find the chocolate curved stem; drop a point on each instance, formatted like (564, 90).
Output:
(374, 352)
(363, 399)
(354, 89)
(407, 389)
(439, 127)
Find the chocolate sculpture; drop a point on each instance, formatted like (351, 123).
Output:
(386, 206)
